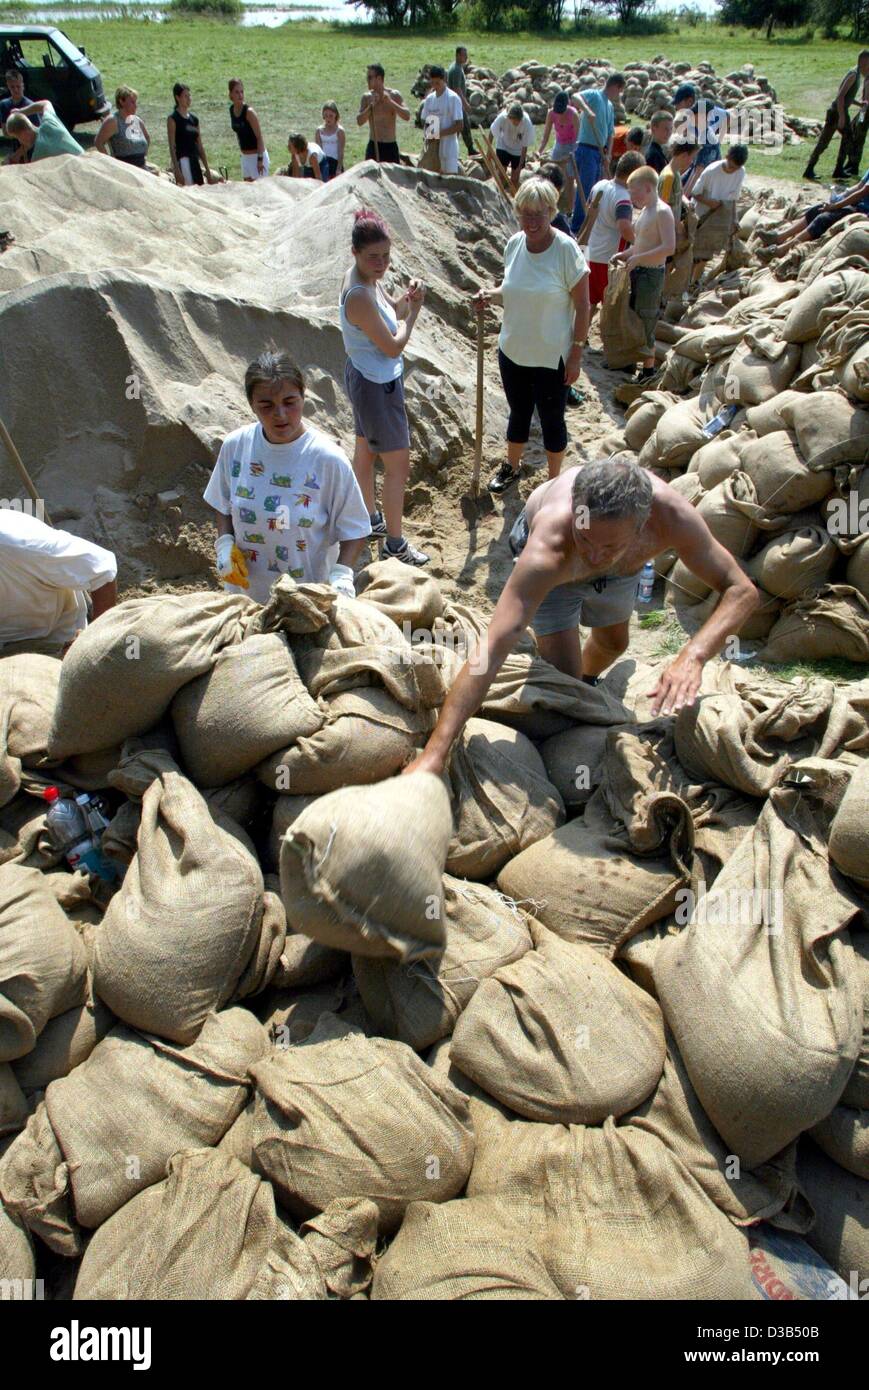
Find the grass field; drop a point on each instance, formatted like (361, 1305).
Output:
(290, 71)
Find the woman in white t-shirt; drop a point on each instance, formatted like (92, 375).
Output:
(512, 135)
(543, 332)
(286, 496)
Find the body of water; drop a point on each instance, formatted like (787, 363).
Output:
(270, 16)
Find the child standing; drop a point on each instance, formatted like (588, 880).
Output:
(654, 241)
(331, 137)
(286, 496)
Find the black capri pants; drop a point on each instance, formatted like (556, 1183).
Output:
(819, 222)
(530, 387)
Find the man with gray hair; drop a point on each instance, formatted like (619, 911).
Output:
(579, 547)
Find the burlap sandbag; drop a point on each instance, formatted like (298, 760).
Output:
(834, 622)
(726, 520)
(602, 878)
(561, 1035)
(856, 1093)
(854, 377)
(674, 1113)
(211, 1231)
(612, 1210)
(250, 703)
(23, 837)
(420, 1003)
(782, 480)
(188, 917)
(762, 995)
(839, 287)
(361, 647)
(43, 963)
(502, 798)
(28, 694)
(844, 1137)
(758, 370)
(361, 868)
(715, 461)
(410, 598)
(106, 1131)
(679, 434)
(795, 562)
(573, 762)
(713, 229)
(621, 330)
(13, 1103)
(531, 695)
(769, 417)
(684, 589)
(840, 1199)
(643, 414)
(849, 833)
(470, 1250)
(830, 429)
(857, 569)
(746, 733)
(17, 1255)
(63, 1044)
(121, 673)
(342, 1114)
(367, 735)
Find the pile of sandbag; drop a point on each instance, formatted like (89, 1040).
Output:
(649, 88)
(781, 480)
(336, 1032)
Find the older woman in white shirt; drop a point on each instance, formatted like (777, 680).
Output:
(546, 311)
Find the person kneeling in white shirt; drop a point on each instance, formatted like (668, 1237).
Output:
(286, 496)
(44, 577)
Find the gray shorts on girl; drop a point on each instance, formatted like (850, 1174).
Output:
(600, 602)
(379, 413)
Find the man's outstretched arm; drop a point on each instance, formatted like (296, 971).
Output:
(704, 556)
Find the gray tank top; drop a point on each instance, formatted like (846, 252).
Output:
(130, 140)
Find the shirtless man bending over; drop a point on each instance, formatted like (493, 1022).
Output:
(384, 104)
(579, 547)
(655, 240)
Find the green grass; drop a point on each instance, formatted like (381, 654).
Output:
(290, 71)
(835, 669)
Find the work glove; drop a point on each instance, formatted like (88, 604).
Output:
(341, 578)
(231, 564)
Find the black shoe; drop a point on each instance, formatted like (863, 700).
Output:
(504, 478)
(378, 526)
(406, 553)
(575, 397)
(810, 177)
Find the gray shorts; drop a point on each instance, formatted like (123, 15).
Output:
(561, 154)
(647, 288)
(601, 602)
(379, 413)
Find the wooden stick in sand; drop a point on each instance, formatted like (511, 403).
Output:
(478, 438)
(25, 477)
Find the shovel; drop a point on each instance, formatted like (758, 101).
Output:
(473, 505)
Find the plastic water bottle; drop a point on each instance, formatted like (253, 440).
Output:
(96, 822)
(69, 827)
(720, 421)
(647, 583)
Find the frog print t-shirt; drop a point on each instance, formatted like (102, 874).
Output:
(290, 505)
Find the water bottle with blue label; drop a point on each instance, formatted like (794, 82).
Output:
(647, 583)
(720, 421)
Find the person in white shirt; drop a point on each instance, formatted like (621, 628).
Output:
(305, 157)
(715, 194)
(612, 228)
(442, 119)
(44, 577)
(331, 137)
(286, 497)
(545, 297)
(512, 134)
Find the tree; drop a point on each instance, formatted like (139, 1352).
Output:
(831, 13)
(769, 14)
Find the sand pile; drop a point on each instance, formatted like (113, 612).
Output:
(148, 301)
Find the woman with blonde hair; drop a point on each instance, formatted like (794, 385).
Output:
(124, 131)
(545, 297)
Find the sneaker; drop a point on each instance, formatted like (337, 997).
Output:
(378, 526)
(504, 478)
(810, 177)
(575, 397)
(407, 553)
(642, 374)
